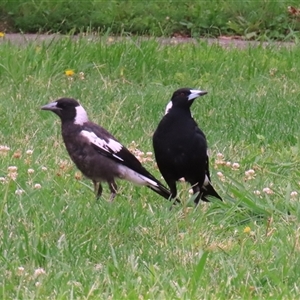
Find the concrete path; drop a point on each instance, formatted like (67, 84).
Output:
(225, 42)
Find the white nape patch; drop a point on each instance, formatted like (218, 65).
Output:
(195, 94)
(110, 146)
(130, 175)
(81, 116)
(168, 107)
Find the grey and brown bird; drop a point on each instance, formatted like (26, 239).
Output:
(180, 146)
(97, 153)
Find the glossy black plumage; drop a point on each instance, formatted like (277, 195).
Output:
(180, 146)
(96, 153)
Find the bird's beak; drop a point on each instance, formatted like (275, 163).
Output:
(195, 94)
(51, 106)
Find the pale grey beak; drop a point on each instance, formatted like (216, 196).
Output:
(51, 106)
(195, 94)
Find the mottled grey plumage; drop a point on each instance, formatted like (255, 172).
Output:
(96, 153)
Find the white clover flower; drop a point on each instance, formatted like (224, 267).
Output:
(44, 168)
(37, 284)
(12, 175)
(220, 156)
(12, 169)
(235, 166)
(191, 191)
(256, 192)
(2, 179)
(4, 149)
(294, 194)
(268, 191)
(220, 159)
(39, 271)
(29, 152)
(250, 174)
(19, 192)
(20, 271)
(81, 75)
(228, 164)
(148, 158)
(30, 171)
(37, 186)
(221, 176)
(98, 267)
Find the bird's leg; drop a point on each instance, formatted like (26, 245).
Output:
(172, 186)
(196, 189)
(97, 189)
(99, 193)
(113, 188)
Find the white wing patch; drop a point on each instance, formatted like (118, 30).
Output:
(134, 177)
(112, 146)
(81, 115)
(168, 107)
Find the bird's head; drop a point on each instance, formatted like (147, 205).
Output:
(184, 98)
(68, 109)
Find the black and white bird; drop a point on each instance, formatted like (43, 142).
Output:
(180, 146)
(97, 154)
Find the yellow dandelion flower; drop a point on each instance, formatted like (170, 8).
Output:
(69, 72)
(2, 34)
(247, 229)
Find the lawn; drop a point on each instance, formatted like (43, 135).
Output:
(58, 242)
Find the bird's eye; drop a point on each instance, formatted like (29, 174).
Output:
(182, 94)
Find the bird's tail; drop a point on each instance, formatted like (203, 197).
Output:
(209, 191)
(164, 192)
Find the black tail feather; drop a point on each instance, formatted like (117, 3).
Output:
(209, 191)
(164, 192)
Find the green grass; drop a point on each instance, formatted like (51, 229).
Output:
(135, 248)
(261, 20)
